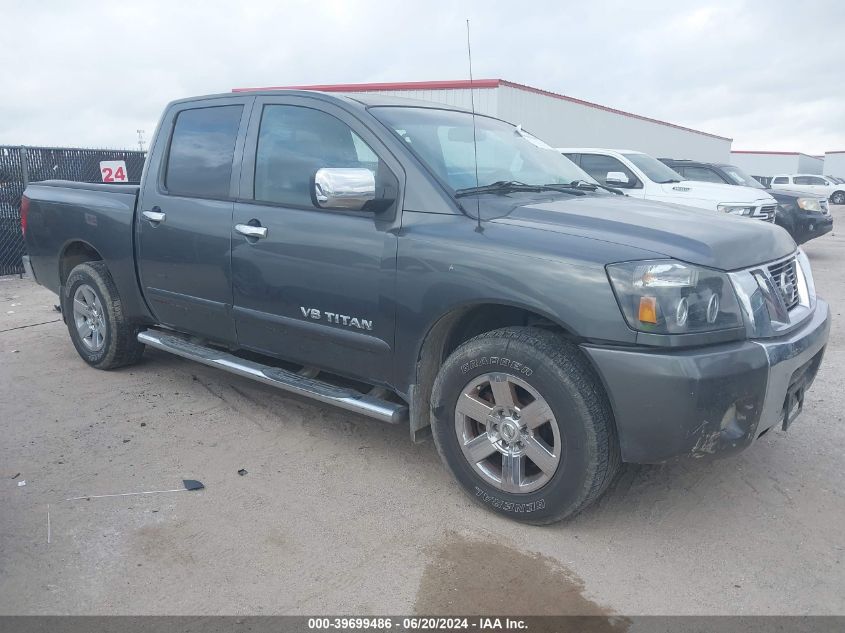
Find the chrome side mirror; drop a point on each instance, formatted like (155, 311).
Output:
(616, 178)
(343, 188)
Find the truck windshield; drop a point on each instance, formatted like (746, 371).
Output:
(654, 169)
(739, 177)
(443, 139)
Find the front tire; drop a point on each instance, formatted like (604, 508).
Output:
(838, 197)
(522, 422)
(93, 311)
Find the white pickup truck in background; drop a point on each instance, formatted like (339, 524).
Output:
(811, 183)
(640, 175)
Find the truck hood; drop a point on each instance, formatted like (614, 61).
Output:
(716, 192)
(698, 236)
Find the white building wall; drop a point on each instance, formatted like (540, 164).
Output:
(758, 164)
(810, 164)
(486, 99)
(834, 164)
(564, 123)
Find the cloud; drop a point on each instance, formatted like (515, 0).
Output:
(767, 74)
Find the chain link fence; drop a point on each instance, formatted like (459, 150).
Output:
(21, 165)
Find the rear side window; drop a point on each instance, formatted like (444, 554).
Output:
(293, 143)
(781, 180)
(202, 149)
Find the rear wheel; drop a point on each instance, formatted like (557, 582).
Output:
(95, 320)
(838, 197)
(522, 422)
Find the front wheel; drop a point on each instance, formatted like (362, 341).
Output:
(838, 197)
(93, 311)
(522, 422)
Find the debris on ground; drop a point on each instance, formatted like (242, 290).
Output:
(188, 484)
(242, 472)
(22, 482)
(16, 476)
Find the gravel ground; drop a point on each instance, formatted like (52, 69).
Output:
(339, 514)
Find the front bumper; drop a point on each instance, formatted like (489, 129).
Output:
(709, 400)
(813, 225)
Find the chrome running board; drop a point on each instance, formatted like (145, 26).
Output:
(343, 397)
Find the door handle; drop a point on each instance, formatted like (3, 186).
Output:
(155, 217)
(251, 231)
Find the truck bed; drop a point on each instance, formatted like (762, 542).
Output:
(66, 216)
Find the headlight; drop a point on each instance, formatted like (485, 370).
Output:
(804, 262)
(735, 209)
(810, 204)
(669, 297)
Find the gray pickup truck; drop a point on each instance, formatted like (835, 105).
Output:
(423, 266)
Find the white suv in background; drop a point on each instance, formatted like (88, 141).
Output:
(642, 176)
(813, 183)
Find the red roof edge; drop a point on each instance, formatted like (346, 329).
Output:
(379, 87)
(476, 83)
(590, 104)
(762, 151)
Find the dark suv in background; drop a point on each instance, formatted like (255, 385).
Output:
(804, 216)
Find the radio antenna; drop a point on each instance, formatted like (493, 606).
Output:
(474, 137)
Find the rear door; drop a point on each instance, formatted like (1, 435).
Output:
(318, 287)
(185, 216)
(781, 182)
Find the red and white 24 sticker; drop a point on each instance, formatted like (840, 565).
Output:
(113, 171)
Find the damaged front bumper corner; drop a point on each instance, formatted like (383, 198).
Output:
(712, 400)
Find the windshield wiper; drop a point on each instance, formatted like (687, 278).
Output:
(667, 182)
(502, 186)
(584, 184)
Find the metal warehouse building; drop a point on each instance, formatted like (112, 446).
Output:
(834, 164)
(770, 163)
(559, 120)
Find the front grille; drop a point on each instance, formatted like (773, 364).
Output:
(785, 278)
(767, 213)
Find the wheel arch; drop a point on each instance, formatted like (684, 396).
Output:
(455, 327)
(74, 253)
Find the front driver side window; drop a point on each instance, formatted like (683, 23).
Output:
(781, 180)
(293, 143)
(702, 174)
(599, 166)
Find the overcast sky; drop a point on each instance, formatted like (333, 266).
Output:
(770, 75)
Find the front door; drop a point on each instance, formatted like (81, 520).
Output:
(185, 217)
(311, 285)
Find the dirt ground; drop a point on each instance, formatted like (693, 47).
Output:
(341, 515)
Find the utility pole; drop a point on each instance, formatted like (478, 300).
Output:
(141, 141)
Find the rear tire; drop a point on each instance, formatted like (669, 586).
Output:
(838, 197)
(558, 435)
(95, 319)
